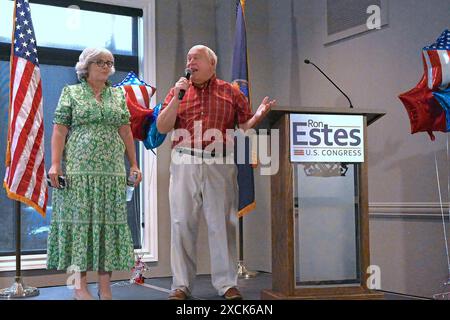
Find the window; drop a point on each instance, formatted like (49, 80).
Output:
(69, 26)
(60, 41)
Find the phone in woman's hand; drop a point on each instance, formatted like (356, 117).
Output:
(61, 180)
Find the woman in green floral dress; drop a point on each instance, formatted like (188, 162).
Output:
(89, 230)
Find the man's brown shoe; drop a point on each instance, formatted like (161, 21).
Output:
(233, 294)
(177, 294)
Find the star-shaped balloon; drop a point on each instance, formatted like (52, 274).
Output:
(138, 95)
(437, 62)
(140, 118)
(153, 137)
(424, 111)
(138, 90)
(443, 97)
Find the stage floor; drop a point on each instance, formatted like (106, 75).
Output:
(158, 289)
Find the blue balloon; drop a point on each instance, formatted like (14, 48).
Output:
(154, 138)
(443, 97)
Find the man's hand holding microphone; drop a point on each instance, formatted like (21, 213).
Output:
(183, 84)
(168, 116)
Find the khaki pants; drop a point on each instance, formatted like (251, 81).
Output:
(211, 188)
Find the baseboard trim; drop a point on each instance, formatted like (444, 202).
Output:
(427, 210)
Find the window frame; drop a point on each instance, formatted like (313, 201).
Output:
(148, 161)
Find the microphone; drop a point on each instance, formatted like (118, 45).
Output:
(187, 75)
(309, 62)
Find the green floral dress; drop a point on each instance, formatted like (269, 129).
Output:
(89, 227)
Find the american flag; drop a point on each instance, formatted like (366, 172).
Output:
(437, 62)
(25, 170)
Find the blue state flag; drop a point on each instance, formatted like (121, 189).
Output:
(246, 181)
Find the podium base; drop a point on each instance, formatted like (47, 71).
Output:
(244, 273)
(370, 295)
(18, 290)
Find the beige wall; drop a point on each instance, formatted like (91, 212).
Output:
(410, 251)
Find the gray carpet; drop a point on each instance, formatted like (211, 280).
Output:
(157, 289)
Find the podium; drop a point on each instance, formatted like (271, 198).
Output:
(319, 209)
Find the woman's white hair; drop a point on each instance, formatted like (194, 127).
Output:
(86, 57)
(212, 55)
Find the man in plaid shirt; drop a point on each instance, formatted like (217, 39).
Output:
(201, 119)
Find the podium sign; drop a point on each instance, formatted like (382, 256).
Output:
(326, 138)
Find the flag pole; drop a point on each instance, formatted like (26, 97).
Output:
(24, 81)
(242, 269)
(240, 77)
(18, 289)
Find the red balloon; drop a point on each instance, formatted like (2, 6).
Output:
(140, 119)
(424, 111)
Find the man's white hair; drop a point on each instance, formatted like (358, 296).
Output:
(86, 57)
(212, 55)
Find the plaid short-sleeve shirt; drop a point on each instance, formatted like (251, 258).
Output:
(219, 105)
